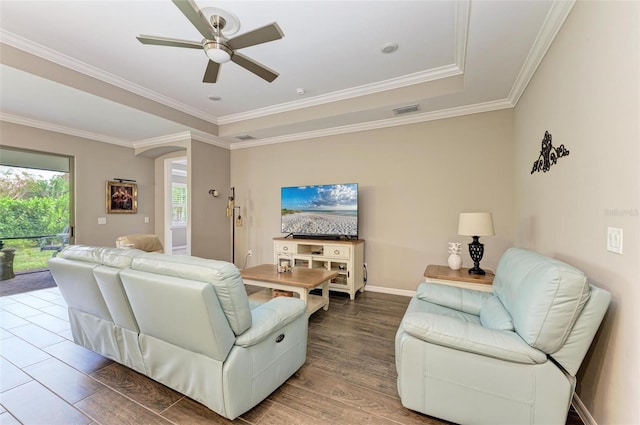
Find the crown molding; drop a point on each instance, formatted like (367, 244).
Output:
(553, 22)
(209, 139)
(350, 93)
(558, 13)
(179, 137)
(15, 119)
(395, 83)
(162, 140)
(61, 59)
(374, 125)
(462, 12)
(456, 68)
(463, 15)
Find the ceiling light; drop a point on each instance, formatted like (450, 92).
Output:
(389, 47)
(300, 91)
(215, 98)
(219, 53)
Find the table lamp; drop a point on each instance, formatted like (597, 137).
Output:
(475, 225)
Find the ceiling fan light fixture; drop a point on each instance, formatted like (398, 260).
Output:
(217, 52)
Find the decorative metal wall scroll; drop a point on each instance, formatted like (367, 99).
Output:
(548, 155)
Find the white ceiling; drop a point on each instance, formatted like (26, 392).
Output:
(454, 58)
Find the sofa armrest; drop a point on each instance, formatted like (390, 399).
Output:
(461, 299)
(269, 317)
(471, 337)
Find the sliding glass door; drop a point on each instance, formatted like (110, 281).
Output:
(36, 206)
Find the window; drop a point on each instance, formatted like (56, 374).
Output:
(179, 204)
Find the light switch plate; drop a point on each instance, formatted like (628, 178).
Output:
(614, 240)
(102, 220)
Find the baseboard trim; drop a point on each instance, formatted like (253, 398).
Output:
(582, 411)
(392, 291)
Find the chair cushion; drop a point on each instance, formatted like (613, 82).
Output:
(144, 242)
(544, 296)
(493, 315)
(87, 254)
(119, 258)
(224, 277)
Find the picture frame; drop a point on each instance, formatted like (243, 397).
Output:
(122, 198)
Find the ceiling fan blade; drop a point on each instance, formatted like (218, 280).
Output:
(165, 41)
(260, 35)
(195, 16)
(253, 66)
(211, 73)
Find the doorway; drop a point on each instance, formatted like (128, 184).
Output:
(177, 235)
(36, 196)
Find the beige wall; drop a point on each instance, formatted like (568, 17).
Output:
(209, 169)
(413, 180)
(586, 94)
(95, 164)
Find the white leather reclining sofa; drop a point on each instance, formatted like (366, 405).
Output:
(509, 357)
(183, 321)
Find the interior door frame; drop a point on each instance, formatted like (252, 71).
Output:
(34, 159)
(168, 216)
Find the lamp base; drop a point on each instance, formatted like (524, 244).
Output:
(477, 270)
(476, 251)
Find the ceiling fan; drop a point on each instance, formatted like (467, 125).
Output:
(218, 48)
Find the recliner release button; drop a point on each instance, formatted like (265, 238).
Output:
(279, 338)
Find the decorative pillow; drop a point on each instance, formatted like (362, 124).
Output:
(493, 315)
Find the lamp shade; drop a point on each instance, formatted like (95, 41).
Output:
(476, 224)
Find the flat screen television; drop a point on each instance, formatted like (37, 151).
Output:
(324, 211)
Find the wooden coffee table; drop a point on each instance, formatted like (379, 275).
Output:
(299, 280)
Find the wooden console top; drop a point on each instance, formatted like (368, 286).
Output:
(321, 241)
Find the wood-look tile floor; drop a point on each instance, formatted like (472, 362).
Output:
(349, 376)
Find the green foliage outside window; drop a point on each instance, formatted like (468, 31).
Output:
(32, 206)
(179, 203)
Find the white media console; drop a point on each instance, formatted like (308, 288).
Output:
(345, 257)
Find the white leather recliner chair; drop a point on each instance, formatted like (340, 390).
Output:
(510, 357)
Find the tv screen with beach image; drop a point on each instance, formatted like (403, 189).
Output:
(326, 210)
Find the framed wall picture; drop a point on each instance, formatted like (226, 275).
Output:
(122, 198)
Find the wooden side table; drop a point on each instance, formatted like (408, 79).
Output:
(461, 278)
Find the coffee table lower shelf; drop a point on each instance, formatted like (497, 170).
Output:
(299, 280)
(314, 302)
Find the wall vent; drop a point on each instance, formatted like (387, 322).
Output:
(405, 109)
(245, 137)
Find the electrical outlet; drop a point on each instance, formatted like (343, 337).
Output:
(250, 253)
